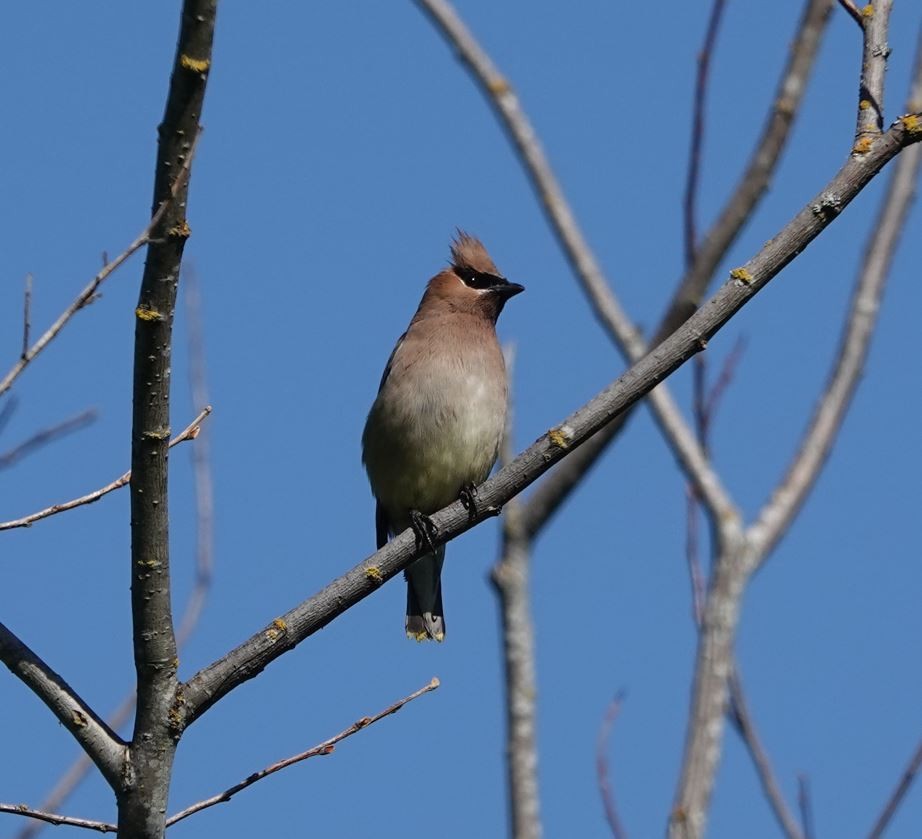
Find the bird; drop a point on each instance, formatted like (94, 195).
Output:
(434, 430)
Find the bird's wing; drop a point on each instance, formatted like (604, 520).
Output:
(381, 528)
(390, 361)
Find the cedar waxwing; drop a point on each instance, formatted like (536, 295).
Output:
(434, 430)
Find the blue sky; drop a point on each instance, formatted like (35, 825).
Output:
(343, 144)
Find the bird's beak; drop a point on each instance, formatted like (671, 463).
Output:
(507, 290)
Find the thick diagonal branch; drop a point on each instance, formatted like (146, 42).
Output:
(215, 681)
(104, 746)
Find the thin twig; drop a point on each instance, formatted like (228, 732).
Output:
(853, 12)
(875, 51)
(54, 818)
(690, 237)
(89, 292)
(705, 400)
(75, 773)
(700, 415)
(724, 380)
(46, 436)
(806, 807)
(753, 184)
(601, 767)
(7, 411)
(190, 432)
(201, 464)
(742, 720)
(692, 556)
(692, 501)
(324, 748)
(898, 794)
(26, 316)
(690, 226)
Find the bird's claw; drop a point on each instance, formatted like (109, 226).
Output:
(424, 529)
(468, 498)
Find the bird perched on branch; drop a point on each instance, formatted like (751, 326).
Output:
(434, 430)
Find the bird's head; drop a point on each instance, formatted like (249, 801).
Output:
(472, 282)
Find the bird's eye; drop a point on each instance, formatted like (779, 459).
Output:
(479, 279)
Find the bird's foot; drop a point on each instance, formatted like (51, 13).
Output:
(468, 497)
(425, 530)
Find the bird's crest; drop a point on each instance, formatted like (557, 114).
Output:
(467, 253)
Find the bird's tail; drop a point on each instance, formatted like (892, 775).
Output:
(425, 616)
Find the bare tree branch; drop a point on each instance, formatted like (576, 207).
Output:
(103, 745)
(142, 795)
(324, 748)
(605, 304)
(551, 493)
(739, 554)
(776, 516)
(806, 808)
(690, 226)
(601, 768)
(899, 793)
(54, 818)
(692, 556)
(216, 680)
(75, 773)
(510, 577)
(89, 292)
(762, 164)
(705, 402)
(6, 412)
(853, 12)
(742, 719)
(201, 466)
(690, 241)
(204, 555)
(716, 392)
(46, 436)
(875, 51)
(707, 399)
(189, 433)
(26, 316)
